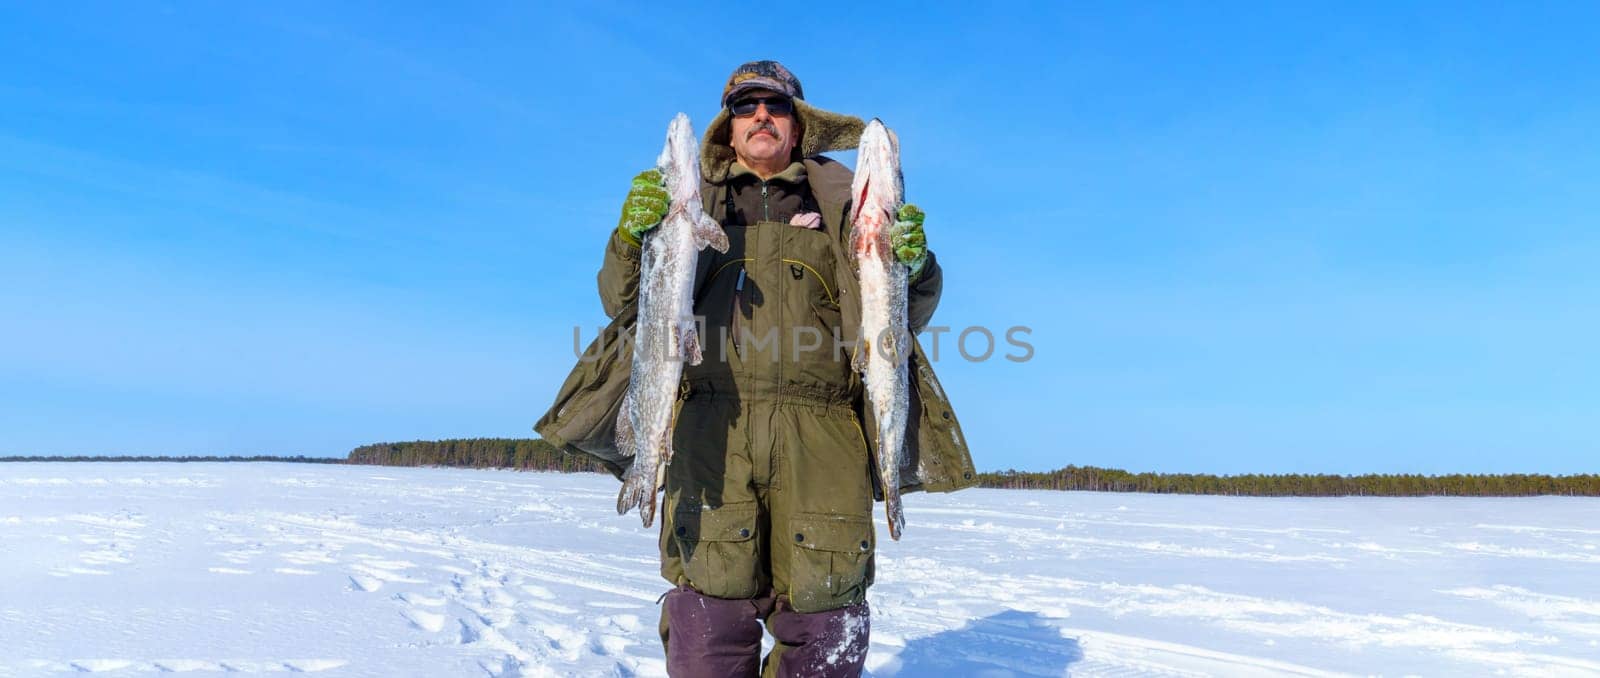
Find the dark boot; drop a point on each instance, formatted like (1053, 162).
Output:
(710, 637)
(830, 644)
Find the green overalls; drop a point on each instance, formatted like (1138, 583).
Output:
(770, 485)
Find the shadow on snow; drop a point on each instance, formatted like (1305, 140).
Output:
(1010, 643)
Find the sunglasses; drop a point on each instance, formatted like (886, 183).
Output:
(775, 106)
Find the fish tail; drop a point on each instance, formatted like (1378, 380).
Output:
(628, 497)
(647, 509)
(896, 515)
(889, 472)
(638, 491)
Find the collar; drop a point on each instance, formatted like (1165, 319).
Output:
(795, 173)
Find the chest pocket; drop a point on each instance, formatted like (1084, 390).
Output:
(807, 261)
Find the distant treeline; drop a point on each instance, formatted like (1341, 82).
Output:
(1295, 484)
(517, 453)
(535, 454)
(259, 457)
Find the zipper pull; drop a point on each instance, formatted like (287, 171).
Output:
(738, 310)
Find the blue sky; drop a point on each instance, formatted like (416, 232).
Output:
(1269, 237)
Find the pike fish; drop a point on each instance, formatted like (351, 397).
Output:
(666, 334)
(877, 193)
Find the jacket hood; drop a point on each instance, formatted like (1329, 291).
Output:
(821, 132)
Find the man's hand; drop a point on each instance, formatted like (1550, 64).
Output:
(910, 245)
(645, 206)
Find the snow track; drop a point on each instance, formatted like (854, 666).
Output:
(210, 569)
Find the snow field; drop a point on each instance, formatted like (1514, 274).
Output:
(228, 568)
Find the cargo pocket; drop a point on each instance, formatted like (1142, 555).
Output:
(718, 549)
(832, 561)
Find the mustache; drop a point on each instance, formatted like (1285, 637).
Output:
(769, 127)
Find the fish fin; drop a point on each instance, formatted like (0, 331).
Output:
(899, 345)
(666, 458)
(708, 232)
(625, 435)
(689, 343)
(859, 359)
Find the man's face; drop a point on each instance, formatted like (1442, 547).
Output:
(763, 139)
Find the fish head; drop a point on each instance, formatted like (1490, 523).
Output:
(878, 187)
(679, 161)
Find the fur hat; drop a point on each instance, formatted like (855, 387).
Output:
(820, 131)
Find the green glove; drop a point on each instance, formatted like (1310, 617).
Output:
(644, 208)
(906, 238)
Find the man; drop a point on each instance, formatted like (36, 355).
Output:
(769, 495)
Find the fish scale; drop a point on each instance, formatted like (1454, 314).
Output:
(665, 335)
